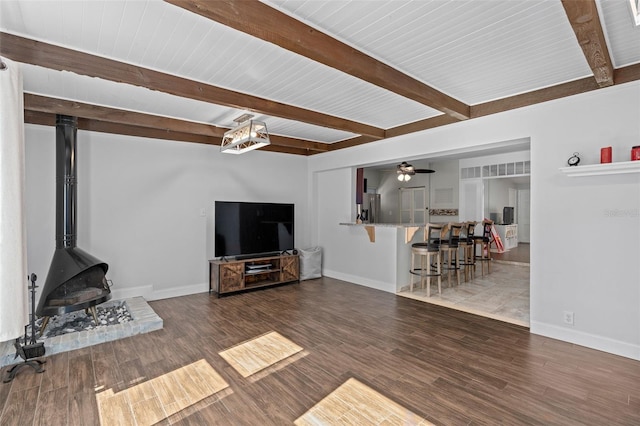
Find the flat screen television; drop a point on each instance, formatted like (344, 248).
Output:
(245, 229)
(507, 215)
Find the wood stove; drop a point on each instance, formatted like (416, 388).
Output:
(76, 279)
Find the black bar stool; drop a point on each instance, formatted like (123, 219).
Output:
(467, 245)
(484, 242)
(449, 249)
(428, 253)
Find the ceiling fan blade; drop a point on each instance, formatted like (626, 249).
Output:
(424, 171)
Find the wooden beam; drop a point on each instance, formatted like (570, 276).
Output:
(416, 126)
(626, 74)
(309, 146)
(113, 115)
(59, 58)
(49, 119)
(534, 97)
(262, 21)
(585, 21)
(117, 116)
(359, 140)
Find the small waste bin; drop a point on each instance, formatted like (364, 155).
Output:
(310, 263)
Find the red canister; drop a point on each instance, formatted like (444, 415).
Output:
(635, 153)
(605, 155)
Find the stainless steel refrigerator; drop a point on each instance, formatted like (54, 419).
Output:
(371, 203)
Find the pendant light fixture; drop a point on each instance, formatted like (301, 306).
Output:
(246, 136)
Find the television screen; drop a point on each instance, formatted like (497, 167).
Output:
(246, 229)
(507, 215)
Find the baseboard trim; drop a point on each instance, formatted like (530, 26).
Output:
(378, 285)
(148, 293)
(588, 340)
(179, 291)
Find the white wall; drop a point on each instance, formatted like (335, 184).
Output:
(140, 202)
(351, 263)
(446, 179)
(585, 232)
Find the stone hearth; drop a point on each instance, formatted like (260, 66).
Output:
(144, 321)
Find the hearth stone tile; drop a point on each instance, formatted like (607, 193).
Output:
(144, 320)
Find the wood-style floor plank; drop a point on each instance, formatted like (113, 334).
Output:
(444, 366)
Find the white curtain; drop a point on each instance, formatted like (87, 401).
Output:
(14, 312)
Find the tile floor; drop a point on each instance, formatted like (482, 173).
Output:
(503, 294)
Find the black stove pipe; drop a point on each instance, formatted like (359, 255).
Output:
(66, 181)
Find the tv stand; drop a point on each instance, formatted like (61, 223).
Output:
(230, 276)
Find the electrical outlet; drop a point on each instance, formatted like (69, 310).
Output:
(568, 317)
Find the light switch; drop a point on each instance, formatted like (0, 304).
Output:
(203, 212)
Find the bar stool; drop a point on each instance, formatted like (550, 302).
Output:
(429, 258)
(467, 246)
(484, 241)
(449, 250)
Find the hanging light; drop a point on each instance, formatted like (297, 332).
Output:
(246, 136)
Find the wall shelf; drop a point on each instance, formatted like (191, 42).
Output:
(602, 169)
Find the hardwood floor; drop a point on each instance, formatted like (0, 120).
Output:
(518, 254)
(444, 366)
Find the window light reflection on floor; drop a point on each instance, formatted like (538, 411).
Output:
(355, 403)
(255, 355)
(157, 399)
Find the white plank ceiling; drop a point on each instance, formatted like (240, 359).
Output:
(473, 51)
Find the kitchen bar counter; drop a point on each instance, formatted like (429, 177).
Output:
(410, 229)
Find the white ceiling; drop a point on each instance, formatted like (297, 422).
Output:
(473, 51)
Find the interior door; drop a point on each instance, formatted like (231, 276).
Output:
(412, 205)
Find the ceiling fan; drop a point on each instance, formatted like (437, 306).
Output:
(405, 170)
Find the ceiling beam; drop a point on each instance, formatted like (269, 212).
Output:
(264, 22)
(537, 96)
(112, 115)
(626, 74)
(585, 21)
(62, 59)
(49, 119)
(118, 116)
(416, 126)
(358, 140)
(622, 75)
